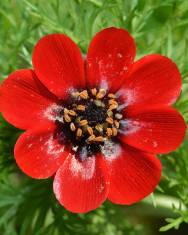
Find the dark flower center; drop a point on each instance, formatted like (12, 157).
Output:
(94, 114)
(88, 119)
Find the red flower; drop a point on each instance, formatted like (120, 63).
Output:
(96, 123)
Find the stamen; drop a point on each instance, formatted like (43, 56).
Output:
(65, 110)
(90, 130)
(109, 132)
(109, 113)
(101, 94)
(83, 122)
(72, 112)
(99, 103)
(91, 138)
(112, 102)
(94, 91)
(111, 95)
(75, 94)
(79, 132)
(118, 115)
(99, 139)
(91, 118)
(110, 120)
(72, 126)
(99, 128)
(113, 106)
(114, 131)
(116, 123)
(81, 107)
(67, 118)
(84, 95)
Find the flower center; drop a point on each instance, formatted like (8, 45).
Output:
(88, 119)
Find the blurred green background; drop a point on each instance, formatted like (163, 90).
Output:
(28, 207)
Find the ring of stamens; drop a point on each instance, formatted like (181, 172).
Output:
(92, 116)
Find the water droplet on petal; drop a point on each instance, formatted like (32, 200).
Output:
(155, 144)
(119, 55)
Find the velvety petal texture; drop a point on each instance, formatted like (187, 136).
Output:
(152, 80)
(134, 175)
(81, 186)
(156, 130)
(58, 64)
(109, 56)
(38, 154)
(23, 99)
(123, 168)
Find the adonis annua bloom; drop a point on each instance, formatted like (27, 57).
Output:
(95, 124)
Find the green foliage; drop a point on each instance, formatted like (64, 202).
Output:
(28, 207)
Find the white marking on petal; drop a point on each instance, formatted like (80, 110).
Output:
(57, 190)
(52, 112)
(71, 90)
(130, 126)
(101, 188)
(104, 84)
(125, 68)
(127, 96)
(111, 150)
(122, 106)
(83, 154)
(29, 146)
(85, 169)
(53, 148)
(155, 144)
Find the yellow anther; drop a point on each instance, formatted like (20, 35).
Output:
(109, 113)
(114, 131)
(111, 95)
(90, 130)
(99, 139)
(99, 103)
(110, 120)
(65, 110)
(91, 138)
(67, 118)
(112, 102)
(116, 123)
(81, 107)
(79, 132)
(113, 106)
(72, 113)
(83, 122)
(109, 132)
(118, 115)
(72, 126)
(99, 127)
(74, 116)
(94, 91)
(84, 95)
(101, 94)
(75, 94)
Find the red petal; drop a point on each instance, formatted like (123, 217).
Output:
(109, 56)
(58, 63)
(157, 130)
(154, 79)
(81, 186)
(38, 154)
(23, 99)
(134, 175)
